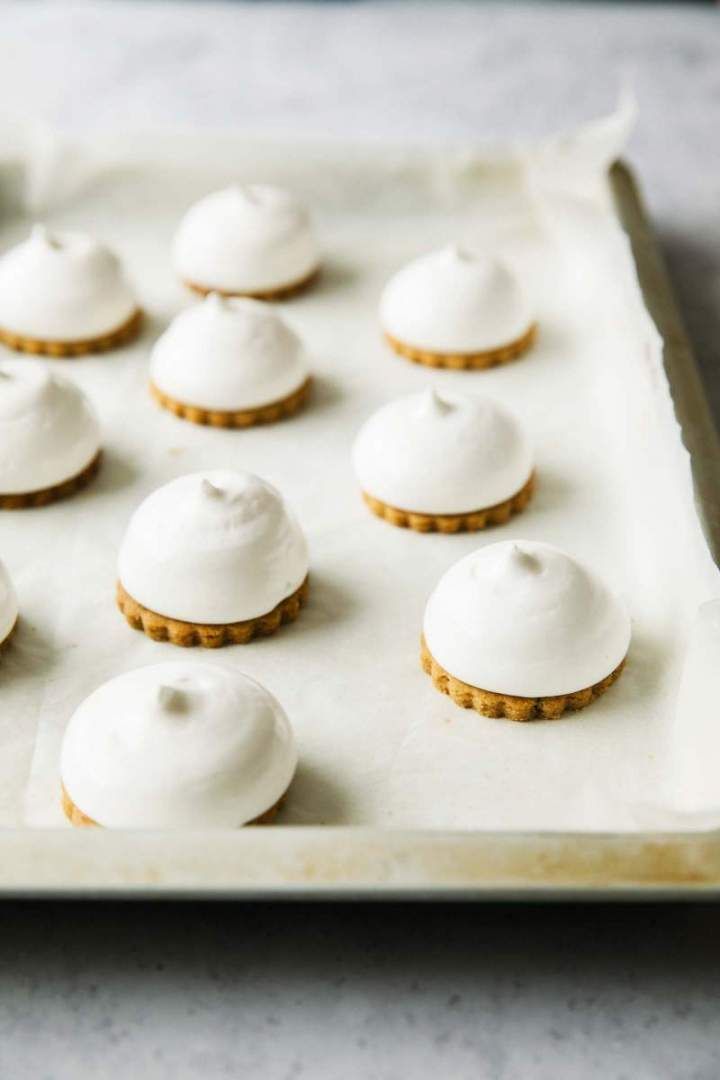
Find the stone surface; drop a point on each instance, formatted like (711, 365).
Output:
(283, 992)
(330, 991)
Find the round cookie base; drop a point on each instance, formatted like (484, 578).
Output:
(278, 292)
(241, 418)
(210, 636)
(103, 343)
(522, 709)
(453, 523)
(466, 361)
(76, 817)
(28, 500)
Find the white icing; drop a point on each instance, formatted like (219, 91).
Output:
(229, 355)
(63, 287)
(523, 618)
(455, 301)
(48, 430)
(213, 547)
(246, 238)
(183, 744)
(443, 453)
(8, 604)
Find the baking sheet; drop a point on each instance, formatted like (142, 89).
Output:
(379, 747)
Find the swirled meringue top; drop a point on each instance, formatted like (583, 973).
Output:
(524, 618)
(230, 355)
(455, 301)
(64, 287)
(442, 453)
(8, 604)
(178, 745)
(48, 430)
(213, 547)
(246, 238)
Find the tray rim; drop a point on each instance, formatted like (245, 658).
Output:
(692, 409)
(352, 863)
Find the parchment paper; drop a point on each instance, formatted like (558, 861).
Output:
(378, 745)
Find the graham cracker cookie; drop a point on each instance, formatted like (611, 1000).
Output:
(76, 817)
(210, 636)
(280, 292)
(112, 340)
(29, 499)
(453, 523)
(242, 418)
(466, 361)
(495, 705)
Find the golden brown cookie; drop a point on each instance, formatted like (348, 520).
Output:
(76, 817)
(29, 499)
(162, 628)
(495, 705)
(112, 340)
(466, 361)
(264, 414)
(281, 292)
(453, 523)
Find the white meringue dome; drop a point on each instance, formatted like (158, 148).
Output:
(523, 618)
(455, 301)
(246, 239)
(63, 287)
(48, 431)
(213, 547)
(8, 604)
(443, 453)
(185, 744)
(228, 354)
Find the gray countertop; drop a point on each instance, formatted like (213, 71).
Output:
(284, 992)
(380, 992)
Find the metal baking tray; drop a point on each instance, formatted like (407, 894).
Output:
(353, 862)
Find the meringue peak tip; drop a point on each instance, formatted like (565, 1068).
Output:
(210, 490)
(489, 261)
(433, 403)
(171, 699)
(525, 559)
(461, 252)
(215, 301)
(246, 192)
(40, 233)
